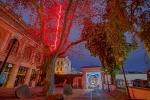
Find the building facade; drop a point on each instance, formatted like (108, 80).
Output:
(131, 78)
(26, 55)
(63, 66)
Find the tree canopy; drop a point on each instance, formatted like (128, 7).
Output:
(108, 40)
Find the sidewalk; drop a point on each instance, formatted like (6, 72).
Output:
(9, 94)
(96, 95)
(78, 94)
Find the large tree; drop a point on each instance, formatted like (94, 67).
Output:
(131, 16)
(49, 23)
(108, 37)
(108, 46)
(109, 40)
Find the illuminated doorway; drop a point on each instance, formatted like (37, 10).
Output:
(93, 80)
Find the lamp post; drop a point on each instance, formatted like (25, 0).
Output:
(126, 83)
(107, 80)
(9, 51)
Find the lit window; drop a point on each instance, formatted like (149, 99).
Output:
(60, 68)
(57, 69)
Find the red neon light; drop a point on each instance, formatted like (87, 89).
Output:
(43, 21)
(54, 46)
(58, 24)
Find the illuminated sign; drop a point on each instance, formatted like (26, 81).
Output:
(93, 80)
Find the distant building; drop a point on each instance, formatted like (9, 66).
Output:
(63, 66)
(91, 77)
(148, 75)
(131, 77)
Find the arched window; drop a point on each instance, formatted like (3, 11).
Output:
(60, 68)
(15, 47)
(27, 53)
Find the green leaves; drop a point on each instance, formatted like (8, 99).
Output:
(113, 70)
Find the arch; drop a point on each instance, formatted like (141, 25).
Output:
(15, 47)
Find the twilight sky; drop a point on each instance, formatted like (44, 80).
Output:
(80, 56)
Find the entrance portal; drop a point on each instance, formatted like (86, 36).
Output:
(93, 77)
(93, 80)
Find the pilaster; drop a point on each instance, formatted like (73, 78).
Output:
(12, 76)
(84, 80)
(28, 76)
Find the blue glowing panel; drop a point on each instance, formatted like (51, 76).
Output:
(93, 80)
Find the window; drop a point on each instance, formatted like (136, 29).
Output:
(60, 68)
(56, 68)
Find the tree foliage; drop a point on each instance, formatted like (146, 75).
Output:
(138, 14)
(108, 39)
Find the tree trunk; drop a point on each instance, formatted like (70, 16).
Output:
(50, 73)
(113, 79)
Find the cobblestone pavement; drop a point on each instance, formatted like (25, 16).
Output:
(96, 95)
(78, 94)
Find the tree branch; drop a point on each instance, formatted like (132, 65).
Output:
(70, 45)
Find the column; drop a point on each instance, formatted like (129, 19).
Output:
(12, 77)
(28, 76)
(37, 78)
(84, 80)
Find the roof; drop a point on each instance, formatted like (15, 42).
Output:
(91, 66)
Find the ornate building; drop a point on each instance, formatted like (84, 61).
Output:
(26, 55)
(63, 66)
